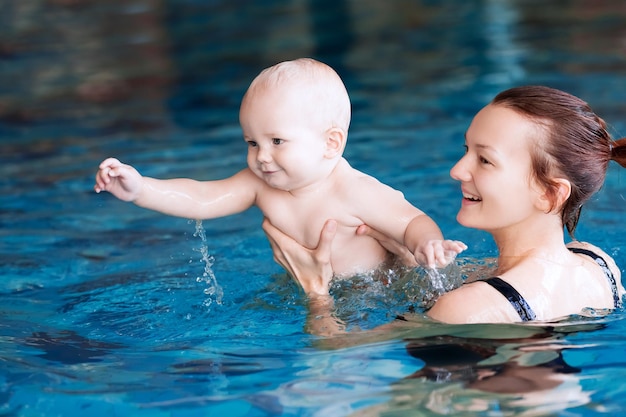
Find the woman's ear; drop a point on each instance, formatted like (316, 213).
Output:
(553, 201)
(563, 191)
(335, 142)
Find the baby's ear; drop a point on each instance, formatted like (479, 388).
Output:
(335, 142)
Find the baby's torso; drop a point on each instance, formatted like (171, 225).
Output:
(303, 219)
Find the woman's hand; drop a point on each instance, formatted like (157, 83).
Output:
(310, 267)
(403, 253)
(434, 253)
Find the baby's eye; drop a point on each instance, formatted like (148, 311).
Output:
(277, 141)
(465, 148)
(252, 144)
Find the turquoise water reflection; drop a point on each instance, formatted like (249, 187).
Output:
(105, 307)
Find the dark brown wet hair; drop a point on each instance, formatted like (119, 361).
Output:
(576, 145)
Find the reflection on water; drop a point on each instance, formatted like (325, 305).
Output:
(525, 372)
(69, 347)
(465, 370)
(101, 310)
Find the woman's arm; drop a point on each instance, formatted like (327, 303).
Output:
(402, 253)
(311, 268)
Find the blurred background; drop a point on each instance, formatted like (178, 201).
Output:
(95, 69)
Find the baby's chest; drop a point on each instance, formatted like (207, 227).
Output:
(303, 219)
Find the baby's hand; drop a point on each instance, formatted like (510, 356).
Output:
(121, 180)
(438, 253)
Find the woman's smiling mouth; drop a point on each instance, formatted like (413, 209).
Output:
(471, 197)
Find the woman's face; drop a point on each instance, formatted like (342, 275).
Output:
(495, 172)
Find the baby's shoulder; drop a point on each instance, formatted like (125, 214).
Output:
(357, 183)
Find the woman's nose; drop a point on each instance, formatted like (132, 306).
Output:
(459, 171)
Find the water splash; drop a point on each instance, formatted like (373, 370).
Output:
(440, 281)
(213, 290)
(374, 298)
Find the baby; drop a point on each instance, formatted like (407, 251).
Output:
(295, 117)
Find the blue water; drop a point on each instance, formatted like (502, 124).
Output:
(109, 309)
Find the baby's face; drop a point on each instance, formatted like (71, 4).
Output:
(286, 140)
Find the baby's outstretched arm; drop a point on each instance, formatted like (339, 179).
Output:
(121, 180)
(181, 197)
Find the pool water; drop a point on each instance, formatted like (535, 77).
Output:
(109, 309)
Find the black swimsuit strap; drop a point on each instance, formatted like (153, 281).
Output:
(617, 302)
(517, 301)
(521, 305)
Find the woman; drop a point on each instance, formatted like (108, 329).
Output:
(534, 156)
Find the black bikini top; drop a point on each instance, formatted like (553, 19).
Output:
(521, 306)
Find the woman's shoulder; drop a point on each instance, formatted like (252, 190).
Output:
(474, 302)
(594, 251)
(577, 244)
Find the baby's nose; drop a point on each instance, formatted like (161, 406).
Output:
(263, 155)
